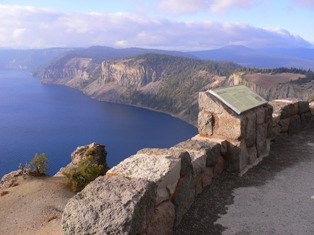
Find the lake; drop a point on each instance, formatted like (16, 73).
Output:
(51, 119)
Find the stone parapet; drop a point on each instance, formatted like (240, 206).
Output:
(162, 182)
(290, 116)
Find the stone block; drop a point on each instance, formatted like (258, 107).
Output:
(243, 159)
(311, 106)
(198, 160)
(162, 169)
(208, 103)
(261, 138)
(111, 205)
(203, 180)
(286, 108)
(229, 126)
(198, 184)
(183, 197)
(212, 148)
(305, 118)
(252, 152)
(276, 118)
(220, 166)
(275, 131)
(284, 124)
(261, 113)
(233, 157)
(207, 175)
(250, 137)
(269, 128)
(186, 166)
(268, 112)
(162, 221)
(304, 107)
(205, 123)
(295, 125)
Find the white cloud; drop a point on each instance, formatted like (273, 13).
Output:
(35, 27)
(192, 6)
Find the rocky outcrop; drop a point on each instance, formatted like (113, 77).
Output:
(94, 150)
(8, 180)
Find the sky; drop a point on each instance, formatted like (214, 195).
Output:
(162, 24)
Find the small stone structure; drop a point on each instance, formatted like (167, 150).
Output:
(248, 134)
(149, 192)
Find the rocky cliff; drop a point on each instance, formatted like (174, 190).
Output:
(161, 82)
(169, 83)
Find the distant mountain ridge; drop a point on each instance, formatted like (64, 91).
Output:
(30, 59)
(261, 58)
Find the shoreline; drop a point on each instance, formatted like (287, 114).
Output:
(121, 103)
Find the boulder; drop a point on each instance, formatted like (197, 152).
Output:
(111, 205)
(162, 169)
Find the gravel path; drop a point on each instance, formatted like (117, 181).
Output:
(275, 197)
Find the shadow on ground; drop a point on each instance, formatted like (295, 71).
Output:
(285, 152)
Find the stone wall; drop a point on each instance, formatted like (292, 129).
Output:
(149, 192)
(290, 116)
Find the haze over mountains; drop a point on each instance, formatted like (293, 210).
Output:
(260, 58)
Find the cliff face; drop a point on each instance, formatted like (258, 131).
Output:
(167, 83)
(161, 82)
(129, 73)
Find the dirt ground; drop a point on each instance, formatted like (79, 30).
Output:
(34, 206)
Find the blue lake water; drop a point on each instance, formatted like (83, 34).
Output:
(36, 118)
